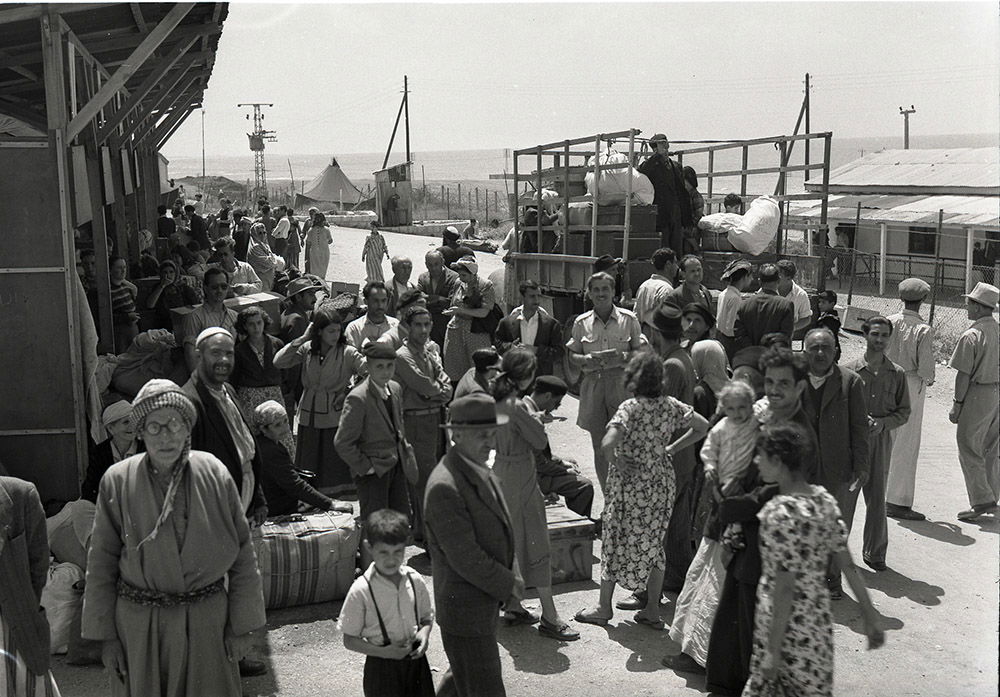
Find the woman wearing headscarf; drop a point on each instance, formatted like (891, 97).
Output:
(328, 365)
(473, 300)
(24, 566)
(169, 293)
(172, 583)
(318, 241)
(117, 421)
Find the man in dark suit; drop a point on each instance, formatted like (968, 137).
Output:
(221, 429)
(471, 544)
(199, 228)
(532, 327)
(438, 283)
(764, 312)
(835, 403)
(673, 204)
(370, 435)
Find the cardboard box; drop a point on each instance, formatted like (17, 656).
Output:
(571, 545)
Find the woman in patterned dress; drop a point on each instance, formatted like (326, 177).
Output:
(799, 529)
(254, 376)
(640, 443)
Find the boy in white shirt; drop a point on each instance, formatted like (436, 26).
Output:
(737, 275)
(387, 614)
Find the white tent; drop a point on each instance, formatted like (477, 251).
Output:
(331, 186)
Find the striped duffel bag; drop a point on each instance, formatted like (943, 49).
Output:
(306, 559)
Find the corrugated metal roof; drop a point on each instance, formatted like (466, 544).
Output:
(978, 211)
(976, 170)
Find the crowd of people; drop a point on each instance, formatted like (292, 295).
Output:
(730, 465)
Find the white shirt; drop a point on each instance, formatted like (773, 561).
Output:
(280, 231)
(650, 296)
(800, 300)
(363, 328)
(400, 606)
(911, 345)
(529, 327)
(729, 304)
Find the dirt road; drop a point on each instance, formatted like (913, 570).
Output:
(938, 600)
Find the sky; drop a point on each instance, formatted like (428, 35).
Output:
(496, 75)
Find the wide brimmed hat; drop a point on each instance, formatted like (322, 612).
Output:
(658, 138)
(301, 285)
(984, 294)
(477, 410)
(605, 262)
(466, 263)
(667, 318)
(738, 265)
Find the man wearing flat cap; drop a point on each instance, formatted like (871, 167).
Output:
(977, 402)
(911, 347)
(471, 544)
(673, 204)
(370, 436)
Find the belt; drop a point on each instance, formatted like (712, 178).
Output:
(422, 412)
(144, 596)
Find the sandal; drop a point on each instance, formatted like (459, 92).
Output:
(591, 618)
(561, 632)
(658, 625)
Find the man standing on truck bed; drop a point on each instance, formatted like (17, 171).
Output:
(673, 205)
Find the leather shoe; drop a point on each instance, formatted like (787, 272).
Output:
(682, 663)
(876, 565)
(976, 511)
(250, 668)
(636, 601)
(558, 632)
(903, 512)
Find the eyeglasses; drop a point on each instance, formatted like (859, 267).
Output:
(152, 428)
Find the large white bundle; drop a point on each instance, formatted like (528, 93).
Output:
(758, 227)
(613, 183)
(62, 603)
(720, 223)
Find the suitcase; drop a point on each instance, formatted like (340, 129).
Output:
(306, 559)
(571, 545)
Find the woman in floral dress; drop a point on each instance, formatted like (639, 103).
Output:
(640, 443)
(799, 529)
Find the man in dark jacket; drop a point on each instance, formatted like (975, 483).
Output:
(199, 229)
(764, 312)
(673, 204)
(531, 326)
(471, 544)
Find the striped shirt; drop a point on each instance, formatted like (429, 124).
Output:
(375, 248)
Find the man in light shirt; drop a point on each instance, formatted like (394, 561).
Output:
(911, 347)
(531, 327)
(788, 288)
(656, 288)
(374, 323)
(737, 277)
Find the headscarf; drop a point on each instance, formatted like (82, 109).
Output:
(158, 394)
(115, 412)
(710, 364)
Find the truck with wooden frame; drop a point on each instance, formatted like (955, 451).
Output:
(563, 252)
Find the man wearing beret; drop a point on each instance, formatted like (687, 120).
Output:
(976, 403)
(911, 347)
(370, 435)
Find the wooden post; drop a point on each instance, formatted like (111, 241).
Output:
(593, 210)
(441, 200)
(937, 265)
(477, 199)
(743, 176)
(882, 245)
(496, 204)
(711, 177)
(566, 197)
(970, 236)
(459, 200)
(515, 211)
(626, 288)
(486, 195)
(447, 203)
(538, 192)
(854, 254)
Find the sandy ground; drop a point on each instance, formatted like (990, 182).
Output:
(938, 600)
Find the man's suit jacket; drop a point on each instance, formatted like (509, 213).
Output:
(211, 434)
(24, 566)
(760, 314)
(390, 286)
(438, 298)
(842, 431)
(368, 436)
(549, 342)
(471, 544)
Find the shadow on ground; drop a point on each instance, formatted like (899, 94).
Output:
(896, 585)
(939, 530)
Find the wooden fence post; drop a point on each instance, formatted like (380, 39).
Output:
(447, 204)
(937, 264)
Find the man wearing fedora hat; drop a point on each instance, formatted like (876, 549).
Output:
(976, 404)
(471, 544)
(673, 204)
(911, 347)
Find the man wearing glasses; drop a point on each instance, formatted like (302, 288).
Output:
(211, 313)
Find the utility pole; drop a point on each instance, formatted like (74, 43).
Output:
(257, 140)
(906, 125)
(807, 126)
(204, 194)
(406, 114)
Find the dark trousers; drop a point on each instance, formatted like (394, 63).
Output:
(560, 479)
(407, 677)
(677, 543)
(424, 435)
(842, 493)
(475, 667)
(387, 491)
(731, 642)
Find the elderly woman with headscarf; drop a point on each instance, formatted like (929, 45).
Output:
(24, 565)
(169, 293)
(262, 258)
(284, 487)
(120, 444)
(172, 589)
(473, 300)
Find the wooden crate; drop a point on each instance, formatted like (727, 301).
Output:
(571, 545)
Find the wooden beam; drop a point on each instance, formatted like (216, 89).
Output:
(34, 11)
(140, 23)
(82, 50)
(22, 71)
(168, 95)
(156, 121)
(121, 76)
(177, 124)
(140, 93)
(23, 113)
